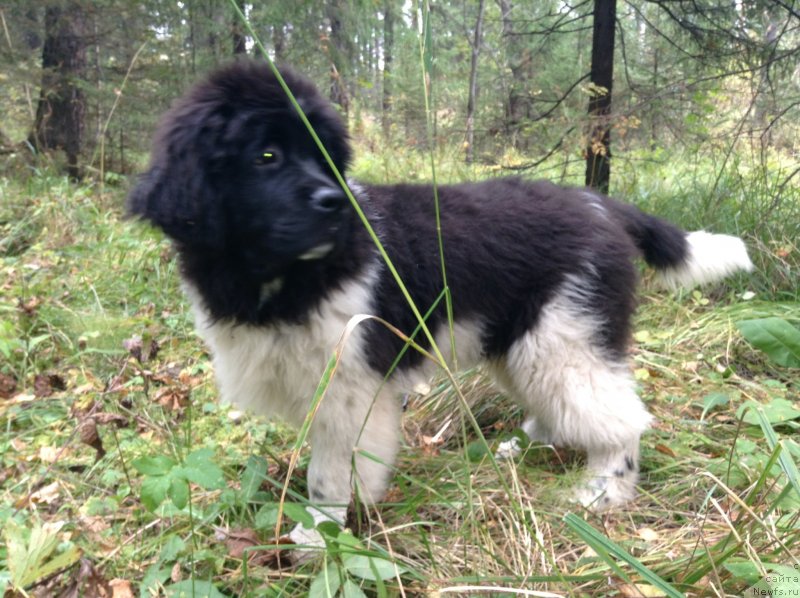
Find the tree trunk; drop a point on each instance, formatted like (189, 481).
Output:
(237, 32)
(518, 106)
(388, 58)
(473, 82)
(62, 104)
(279, 43)
(598, 152)
(338, 54)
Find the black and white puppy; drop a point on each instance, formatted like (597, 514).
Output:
(276, 263)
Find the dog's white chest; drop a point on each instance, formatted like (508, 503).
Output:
(275, 369)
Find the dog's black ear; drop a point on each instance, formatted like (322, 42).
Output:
(177, 193)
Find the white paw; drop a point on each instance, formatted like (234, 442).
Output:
(309, 544)
(602, 493)
(309, 541)
(508, 449)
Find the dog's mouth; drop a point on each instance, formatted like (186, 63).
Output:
(317, 252)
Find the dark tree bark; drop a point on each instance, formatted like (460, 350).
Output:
(338, 54)
(473, 81)
(598, 152)
(237, 32)
(518, 107)
(62, 103)
(279, 43)
(388, 58)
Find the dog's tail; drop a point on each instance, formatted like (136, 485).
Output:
(681, 259)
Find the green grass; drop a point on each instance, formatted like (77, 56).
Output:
(95, 424)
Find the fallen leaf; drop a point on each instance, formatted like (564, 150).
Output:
(238, 541)
(431, 444)
(103, 418)
(639, 590)
(93, 524)
(84, 389)
(87, 430)
(87, 582)
(121, 588)
(46, 494)
(44, 385)
(172, 398)
(7, 386)
(187, 379)
(141, 349)
(29, 306)
(663, 448)
(647, 534)
(51, 454)
(588, 553)
(176, 575)
(23, 398)
(94, 528)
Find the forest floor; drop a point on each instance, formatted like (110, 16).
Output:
(121, 475)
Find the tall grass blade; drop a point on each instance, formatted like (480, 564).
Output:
(609, 551)
(785, 460)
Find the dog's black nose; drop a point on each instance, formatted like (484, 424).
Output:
(328, 199)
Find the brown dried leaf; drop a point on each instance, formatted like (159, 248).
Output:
(431, 444)
(121, 588)
(44, 385)
(88, 433)
(8, 385)
(172, 398)
(663, 448)
(103, 418)
(143, 350)
(238, 540)
(87, 582)
(176, 575)
(46, 494)
(133, 346)
(93, 524)
(29, 306)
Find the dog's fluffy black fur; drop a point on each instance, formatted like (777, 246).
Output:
(269, 244)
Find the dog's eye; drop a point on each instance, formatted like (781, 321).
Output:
(267, 157)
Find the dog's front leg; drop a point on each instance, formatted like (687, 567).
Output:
(354, 442)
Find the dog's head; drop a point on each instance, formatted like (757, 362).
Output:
(234, 170)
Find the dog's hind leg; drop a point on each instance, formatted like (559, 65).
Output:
(581, 395)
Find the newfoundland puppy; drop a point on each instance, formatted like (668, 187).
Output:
(276, 262)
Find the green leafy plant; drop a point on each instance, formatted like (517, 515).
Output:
(36, 553)
(774, 336)
(167, 478)
(349, 564)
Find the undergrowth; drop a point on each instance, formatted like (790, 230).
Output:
(120, 472)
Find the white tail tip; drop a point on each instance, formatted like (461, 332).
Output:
(710, 258)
